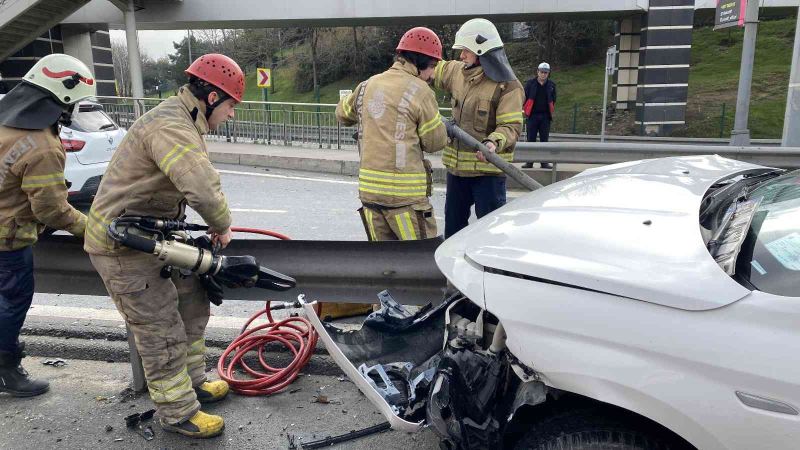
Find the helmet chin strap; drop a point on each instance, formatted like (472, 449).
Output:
(66, 117)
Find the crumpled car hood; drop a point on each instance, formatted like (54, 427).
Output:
(630, 230)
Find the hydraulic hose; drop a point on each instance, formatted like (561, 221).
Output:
(296, 334)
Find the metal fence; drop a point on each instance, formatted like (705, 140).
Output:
(315, 125)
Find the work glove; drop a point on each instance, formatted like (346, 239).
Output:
(213, 289)
(449, 125)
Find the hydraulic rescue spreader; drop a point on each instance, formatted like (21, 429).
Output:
(170, 242)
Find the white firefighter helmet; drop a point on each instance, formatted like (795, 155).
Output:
(478, 36)
(65, 77)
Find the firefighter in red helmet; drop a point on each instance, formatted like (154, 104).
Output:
(160, 167)
(398, 121)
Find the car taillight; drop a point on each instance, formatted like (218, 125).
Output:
(73, 145)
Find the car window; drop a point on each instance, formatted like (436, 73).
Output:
(92, 120)
(770, 256)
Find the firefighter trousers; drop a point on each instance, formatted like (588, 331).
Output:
(168, 318)
(16, 294)
(406, 223)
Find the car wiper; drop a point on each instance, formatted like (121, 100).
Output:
(723, 194)
(107, 126)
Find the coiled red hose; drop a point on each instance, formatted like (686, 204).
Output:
(296, 334)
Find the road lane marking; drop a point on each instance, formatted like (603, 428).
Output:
(264, 211)
(112, 315)
(288, 177)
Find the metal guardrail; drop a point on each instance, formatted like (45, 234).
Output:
(605, 153)
(345, 271)
(562, 137)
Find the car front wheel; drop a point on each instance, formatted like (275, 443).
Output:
(596, 429)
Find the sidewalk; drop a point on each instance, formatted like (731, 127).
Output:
(341, 162)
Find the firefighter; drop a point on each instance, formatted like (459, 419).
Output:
(487, 103)
(33, 194)
(162, 165)
(398, 119)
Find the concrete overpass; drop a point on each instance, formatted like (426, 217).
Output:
(198, 14)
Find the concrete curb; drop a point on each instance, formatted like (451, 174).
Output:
(106, 341)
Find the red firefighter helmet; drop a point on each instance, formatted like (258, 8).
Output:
(421, 40)
(220, 71)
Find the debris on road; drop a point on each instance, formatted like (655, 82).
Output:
(352, 435)
(57, 362)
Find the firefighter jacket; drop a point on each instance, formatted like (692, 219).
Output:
(33, 191)
(398, 119)
(486, 109)
(161, 165)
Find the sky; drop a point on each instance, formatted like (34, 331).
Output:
(154, 43)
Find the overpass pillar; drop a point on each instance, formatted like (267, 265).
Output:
(134, 60)
(626, 77)
(93, 48)
(664, 57)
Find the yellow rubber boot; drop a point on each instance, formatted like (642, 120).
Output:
(212, 391)
(201, 425)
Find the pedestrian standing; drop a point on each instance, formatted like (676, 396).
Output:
(540, 105)
(33, 194)
(487, 104)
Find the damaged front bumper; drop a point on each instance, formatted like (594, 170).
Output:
(444, 366)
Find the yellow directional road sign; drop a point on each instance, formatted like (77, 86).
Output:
(264, 77)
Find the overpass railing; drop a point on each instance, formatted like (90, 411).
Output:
(315, 125)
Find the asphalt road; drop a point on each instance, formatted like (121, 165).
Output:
(84, 410)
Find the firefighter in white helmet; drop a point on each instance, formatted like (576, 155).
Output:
(487, 103)
(33, 194)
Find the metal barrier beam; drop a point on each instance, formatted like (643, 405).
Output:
(343, 271)
(597, 153)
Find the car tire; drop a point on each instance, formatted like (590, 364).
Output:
(595, 429)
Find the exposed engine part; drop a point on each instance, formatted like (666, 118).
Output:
(464, 405)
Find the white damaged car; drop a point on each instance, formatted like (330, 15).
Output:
(645, 305)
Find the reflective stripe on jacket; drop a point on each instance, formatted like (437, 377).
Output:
(33, 191)
(161, 165)
(487, 110)
(400, 120)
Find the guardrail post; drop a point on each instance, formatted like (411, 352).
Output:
(319, 127)
(269, 125)
(234, 129)
(574, 118)
(554, 173)
(722, 122)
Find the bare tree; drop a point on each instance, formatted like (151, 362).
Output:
(119, 54)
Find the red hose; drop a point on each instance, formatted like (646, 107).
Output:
(295, 333)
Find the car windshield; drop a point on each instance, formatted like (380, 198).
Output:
(90, 120)
(770, 256)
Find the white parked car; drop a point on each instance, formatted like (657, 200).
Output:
(645, 305)
(89, 141)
